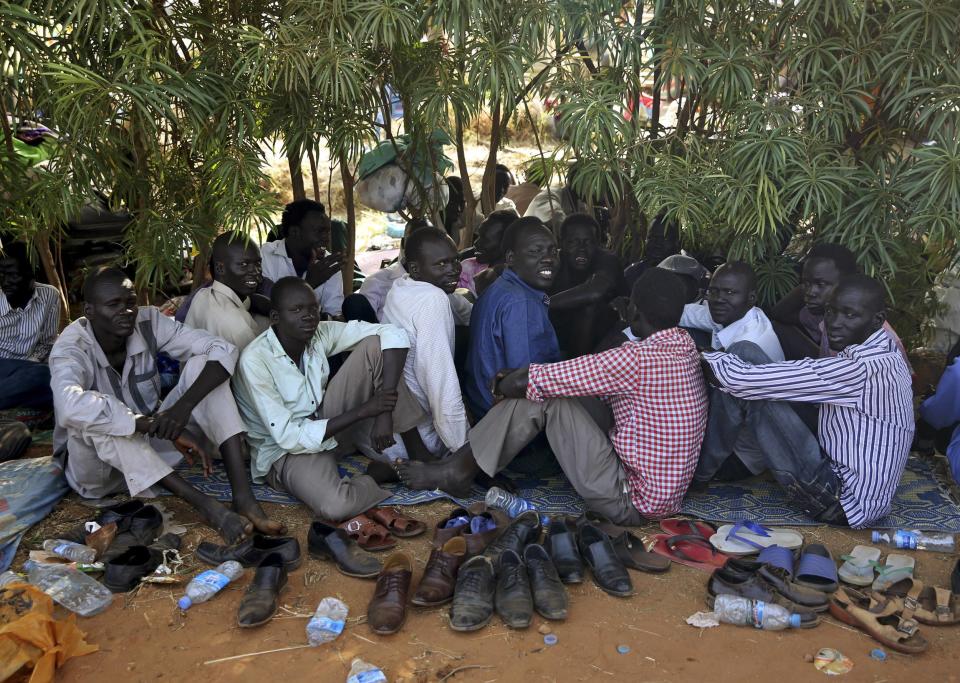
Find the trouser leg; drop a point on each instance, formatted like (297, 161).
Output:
(216, 417)
(99, 466)
(26, 384)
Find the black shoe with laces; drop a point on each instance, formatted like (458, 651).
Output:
(524, 529)
(513, 599)
(549, 595)
(473, 596)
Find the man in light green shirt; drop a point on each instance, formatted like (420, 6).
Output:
(299, 420)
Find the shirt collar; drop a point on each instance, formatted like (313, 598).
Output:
(135, 342)
(231, 295)
(878, 340)
(5, 306)
(276, 248)
(511, 276)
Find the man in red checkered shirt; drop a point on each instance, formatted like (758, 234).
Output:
(637, 468)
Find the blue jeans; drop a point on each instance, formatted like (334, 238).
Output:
(24, 384)
(790, 450)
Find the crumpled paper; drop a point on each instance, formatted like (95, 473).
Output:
(30, 636)
(703, 620)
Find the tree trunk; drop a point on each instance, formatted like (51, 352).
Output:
(349, 256)
(313, 176)
(469, 199)
(42, 244)
(488, 191)
(296, 176)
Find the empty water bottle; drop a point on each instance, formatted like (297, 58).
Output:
(206, 584)
(69, 550)
(9, 577)
(68, 587)
(327, 622)
(916, 540)
(745, 612)
(513, 505)
(365, 672)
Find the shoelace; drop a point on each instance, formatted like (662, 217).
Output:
(471, 582)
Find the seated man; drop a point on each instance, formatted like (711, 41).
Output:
(303, 253)
(729, 314)
(510, 326)
(846, 471)
(223, 309)
(113, 430)
(419, 303)
(553, 204)
(300, 420)
(636, 469)
(489, 254)
(940, 414)
(29, 320)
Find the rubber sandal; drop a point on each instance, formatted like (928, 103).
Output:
(858, 567)
(676, 526)
(633, 555)
(816, 569)
(397, 523)
(929, 605)
(879, 618)
(748, 538)
(692, 551)
(895, 568)
(779, 557)
(369, 535)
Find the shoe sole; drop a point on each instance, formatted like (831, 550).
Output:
(816, 610)
(572, 580)
(391, 631)
(422, 603)
(330, 558)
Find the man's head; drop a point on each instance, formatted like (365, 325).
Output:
(732, 292)
(235, 262)
(504, 179)
(687, 269)
(455, 202)
(579, 241)
(411, 227)
(823, 268)
(306, 227)
(656, 302)
(530, 250)
(855, 310)
(432, 258)
(294, 311)
(110, 302)
(16, 273)
(489, 238)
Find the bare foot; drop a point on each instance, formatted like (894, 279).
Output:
(382, 473)
(447, 475)
(253, 512)
(231, 526)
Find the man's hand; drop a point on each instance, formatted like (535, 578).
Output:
(382, 432)
(322, 268)
(708, 373)
(169, 424)
(382, 402)
(620, 304)
(511, 383)
(189, 446)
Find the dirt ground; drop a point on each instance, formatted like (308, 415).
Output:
(144, 637)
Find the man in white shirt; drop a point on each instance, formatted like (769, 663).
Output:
(223, 309)
(419, 303)
(303, 253)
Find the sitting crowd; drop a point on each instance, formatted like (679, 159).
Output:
(445, 367)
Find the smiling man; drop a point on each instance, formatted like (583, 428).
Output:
(848, 469)
(510, 326)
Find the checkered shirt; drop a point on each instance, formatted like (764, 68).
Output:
(656, 391)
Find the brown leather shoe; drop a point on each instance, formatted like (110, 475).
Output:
(442, 535)
(388, 606)
(440, 575)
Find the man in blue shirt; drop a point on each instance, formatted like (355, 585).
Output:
(510, 326)
(942, 412)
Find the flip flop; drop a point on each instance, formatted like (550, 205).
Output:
(880, 618)
(929, 605)
(633, 555)
(748, 538)
(397, 523)
(895, 568)
(369, 535)
(692, 551)
(779, 557)
(816, 569)
(675, 526)
(858, 567)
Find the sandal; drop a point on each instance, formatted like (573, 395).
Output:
(880, 618)
(687, 527)
(749, 538)
(369, 535)
(816, 569)
(396, 523)
(692, 551)
(858, 567)
(631, 552)
(929, 605)
(896, 568)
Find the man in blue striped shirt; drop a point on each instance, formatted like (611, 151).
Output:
(848, 471)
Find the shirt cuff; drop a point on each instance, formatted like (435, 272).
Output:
(393, 337)
(534, 392)
(312, 435)
(226, 354)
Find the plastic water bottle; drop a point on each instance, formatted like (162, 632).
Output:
(206, 584)
(9, 577)
(69, 550)
(513, 505)
(71, 588)
(745, 612)
(365, 672)
(916, 540)
(327, 622)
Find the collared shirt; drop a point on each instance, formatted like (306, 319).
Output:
(90, 397)
(942, 411)
(469, 269)
(218, 310)
(28, 333)
(424, 312)
(656, 391)
(754, 327)
(376, 286)
(510, 328)
(276, 264)
(279, 400)
(866, 417)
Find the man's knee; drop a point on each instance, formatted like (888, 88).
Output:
(749, 352)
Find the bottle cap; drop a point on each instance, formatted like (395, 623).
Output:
(623, 649)
(184, 602)
(795, 621)
(550, 639)
(875, 536)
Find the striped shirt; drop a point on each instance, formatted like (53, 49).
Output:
(866, 420)
(28, 333)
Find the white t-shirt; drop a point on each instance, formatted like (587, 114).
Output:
(754, 327)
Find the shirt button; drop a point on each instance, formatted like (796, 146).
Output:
(272, 424)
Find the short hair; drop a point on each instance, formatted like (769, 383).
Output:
(518, 229)
(740, 268)
(294, 212)
(871, 287)
(504, 179)
(100, 276)
(660, 295)
(842, 258)
(577, 219)
(284, 285)
(20, 253)
(415, 243)
(226, 240)
(503, 217)
(455, 186)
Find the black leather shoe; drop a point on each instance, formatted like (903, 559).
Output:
(607, 569)
(524, 529)
(549, 595)
(121, 513)
(262, 598)
(325, 542)
(561, 543)
(252, 551)
(473, 597)
(140, 527)
(513, 599)
(124, 572)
